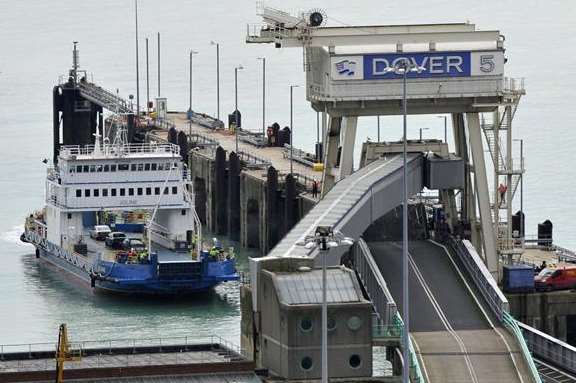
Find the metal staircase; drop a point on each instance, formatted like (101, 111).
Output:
(504, 166)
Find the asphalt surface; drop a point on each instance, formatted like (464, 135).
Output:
(444, 283)
(454, 339)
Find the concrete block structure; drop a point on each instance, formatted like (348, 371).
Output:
(290, 324)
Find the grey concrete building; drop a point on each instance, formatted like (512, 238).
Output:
(290, 324)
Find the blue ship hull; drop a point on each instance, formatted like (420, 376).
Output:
(160, 279)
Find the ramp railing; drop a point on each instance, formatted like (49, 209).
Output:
(549, 349)
(492, 295)
(512, 325)
(480, 275)
(374, 283)
(416, 375)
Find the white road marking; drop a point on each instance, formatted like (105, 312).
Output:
(482, 309)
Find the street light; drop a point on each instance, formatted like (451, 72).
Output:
(402, 68)
(445, 128)
(263, 96)
(521, 186)
(421, 129)
(325, 238)
(236, 69)
(192, 53)
(217, 78)
(291, 128)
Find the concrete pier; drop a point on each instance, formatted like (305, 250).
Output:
(250, 195)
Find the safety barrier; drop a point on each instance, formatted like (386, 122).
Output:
(512, 325)
(549, 349)
(492, 295)
(415, 370)
(374, 283)
(480, 275)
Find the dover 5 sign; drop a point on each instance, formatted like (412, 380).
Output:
(434, 64)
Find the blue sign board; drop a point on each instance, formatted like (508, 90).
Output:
(435, 64)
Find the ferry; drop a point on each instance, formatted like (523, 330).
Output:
(137, 202)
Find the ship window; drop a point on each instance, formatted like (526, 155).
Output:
(113, 192)
(174, 189)
(157, 191)
(113, 167)
(140, 167)
(96, 193)
(165, 190)
(92, 168)
(148, 191)
(146, 167)
(130, 191)
(183, 211)
(86, 168)
(86, 192)
(139, 191)
(175, 165)
(123, 167)
(78, 168)
(104, 192)
(122, 192)
(160, 166)
(106, 168)
(78, 192)
(72, 169)
(99, 168)
(154, 166)
(133, 167)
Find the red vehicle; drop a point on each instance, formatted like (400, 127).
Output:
(556, 279)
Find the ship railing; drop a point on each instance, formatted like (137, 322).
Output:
(128, 347)
(131, 148)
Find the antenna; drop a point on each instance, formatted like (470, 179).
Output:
(75, 62)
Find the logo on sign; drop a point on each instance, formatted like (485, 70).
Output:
(345, 67)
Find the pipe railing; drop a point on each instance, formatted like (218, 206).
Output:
(374, 283)
(549, 349)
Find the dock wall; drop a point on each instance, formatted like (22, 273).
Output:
(255, 206)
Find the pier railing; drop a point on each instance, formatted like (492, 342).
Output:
(125, 347)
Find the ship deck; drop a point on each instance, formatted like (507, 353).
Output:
(107, 254)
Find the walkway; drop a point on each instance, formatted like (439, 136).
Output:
(355, 202)
(455, 336)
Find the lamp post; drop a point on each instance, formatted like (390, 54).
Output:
(192, 53)
(445, 128)
(292, 128)
(421, 129)
(147, 81)
(402, 68)
(137, 62)
(263, 96)
(236, 69)
(378, 126)
(217, 78)
(325, 238)
(521, 186)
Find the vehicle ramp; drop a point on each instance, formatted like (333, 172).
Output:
(456, 336)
